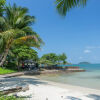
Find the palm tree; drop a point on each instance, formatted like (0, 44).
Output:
(63, 6)
(16, 28)
(2, 3)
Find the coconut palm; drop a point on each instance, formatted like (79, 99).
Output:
(16, 28)
(63, 6)
(2, 3)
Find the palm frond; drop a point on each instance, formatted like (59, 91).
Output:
(63, 6)
(2, 3)
(15, 27)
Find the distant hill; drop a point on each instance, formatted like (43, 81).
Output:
(84, 63)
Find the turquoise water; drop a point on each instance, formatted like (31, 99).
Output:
(90, 78)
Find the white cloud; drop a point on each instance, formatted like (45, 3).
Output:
(87, 51)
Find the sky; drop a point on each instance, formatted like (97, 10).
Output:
(77, 34)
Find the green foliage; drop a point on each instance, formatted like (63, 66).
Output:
(6, 71)
(52, 59)
(15, 28)
(5, 97)
(62, 58)
(45, 62)
(10, 64)
(25, 53)
(2, 3)
(63, 6)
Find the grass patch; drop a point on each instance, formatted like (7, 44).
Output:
(6, 97)
(10, 98)
(6, 71)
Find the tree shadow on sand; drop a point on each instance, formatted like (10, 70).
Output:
(20, 82)
(72, 98)
(94, 96)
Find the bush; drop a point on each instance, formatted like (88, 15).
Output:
(11, 65)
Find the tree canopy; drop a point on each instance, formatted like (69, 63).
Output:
(62, 58)
(52, 59)
(25, 53)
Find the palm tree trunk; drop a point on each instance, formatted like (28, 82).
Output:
(18, 66)
(4, 57)
(1, 56)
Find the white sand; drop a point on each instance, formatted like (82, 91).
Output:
(56, 91)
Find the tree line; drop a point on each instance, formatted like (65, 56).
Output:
(53, 59)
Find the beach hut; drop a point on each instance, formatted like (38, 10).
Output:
(30, 64)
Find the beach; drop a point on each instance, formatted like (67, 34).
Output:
(47, 90)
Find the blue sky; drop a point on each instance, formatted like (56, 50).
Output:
(77, 34)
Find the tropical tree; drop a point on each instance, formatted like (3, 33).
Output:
(45, 62)
(2, 3)
(25, 53)
(16, 29)
(63, 6)
(21, 53)
(52, 57)
(62, 58)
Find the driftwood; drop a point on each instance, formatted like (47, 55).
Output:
(16, 89)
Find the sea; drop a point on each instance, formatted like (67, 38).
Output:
(89, 79)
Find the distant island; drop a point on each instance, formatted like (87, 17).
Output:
(84, 63)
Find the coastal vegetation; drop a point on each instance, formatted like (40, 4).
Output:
(16, 31)
(20, 54)
(53, 59)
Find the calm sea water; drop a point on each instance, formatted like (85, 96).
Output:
(90, 78)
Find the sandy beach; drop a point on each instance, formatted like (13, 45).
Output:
(55, 91)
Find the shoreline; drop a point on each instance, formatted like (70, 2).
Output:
(58, 90)
(36, 72)
(67, 86)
